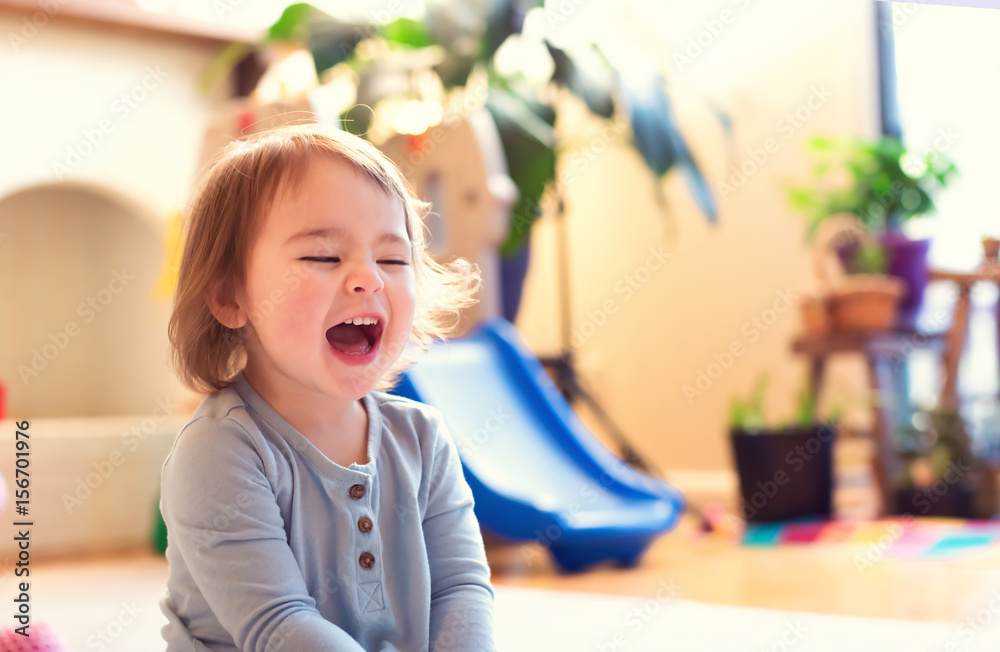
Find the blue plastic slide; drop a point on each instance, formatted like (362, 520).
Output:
(537, 473)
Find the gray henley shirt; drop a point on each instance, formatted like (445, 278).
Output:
(272, 546)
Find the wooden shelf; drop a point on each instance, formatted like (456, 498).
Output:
(128, 17)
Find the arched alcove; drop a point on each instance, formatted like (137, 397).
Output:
(83, 333)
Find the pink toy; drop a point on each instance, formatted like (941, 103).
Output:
(43, 639)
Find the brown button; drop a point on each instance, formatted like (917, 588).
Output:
(357, 491)
(367, 560)
(365, 524)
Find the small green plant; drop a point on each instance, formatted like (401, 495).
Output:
(870, 259)
(878, 181)
(748, 414)
(805, 407)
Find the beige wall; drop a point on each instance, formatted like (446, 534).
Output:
(765, 62)
(86, 190)
(769, 60)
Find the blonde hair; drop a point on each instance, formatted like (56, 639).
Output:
(225, 217)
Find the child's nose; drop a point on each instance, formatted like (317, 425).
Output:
(364, 278)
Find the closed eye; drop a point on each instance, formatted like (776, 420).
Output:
(322, 259)
(393, 262)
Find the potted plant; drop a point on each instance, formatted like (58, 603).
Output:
(853, 289)
(941, 475)
(785, 469)
(452, 54)
(883, 185)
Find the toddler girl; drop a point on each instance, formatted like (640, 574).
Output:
(306, 509)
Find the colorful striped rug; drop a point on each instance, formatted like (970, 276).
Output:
(898, 538)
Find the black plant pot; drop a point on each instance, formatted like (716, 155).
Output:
(937, 500)
(784, 474)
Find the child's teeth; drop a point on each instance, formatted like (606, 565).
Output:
(361, 321)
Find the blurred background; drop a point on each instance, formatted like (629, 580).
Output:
(716, 226)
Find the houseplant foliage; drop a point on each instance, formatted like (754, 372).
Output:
(941, 473)
(883, 185)
(878, 181)
(459, 41)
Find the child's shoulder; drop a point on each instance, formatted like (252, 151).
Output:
(392, 407)
(220, 421)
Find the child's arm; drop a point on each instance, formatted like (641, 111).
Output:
(222, 518)
(461, 593)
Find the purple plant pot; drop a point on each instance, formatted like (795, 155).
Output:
(907, 260)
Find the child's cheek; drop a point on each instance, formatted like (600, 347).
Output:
(308, 305)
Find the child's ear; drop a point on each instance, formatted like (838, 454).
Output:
(224, 307)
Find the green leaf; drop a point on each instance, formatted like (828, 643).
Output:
(821, 169)
(749, 414)
(820, 144)
(870, 259)
(292, 25)
(408, 33)
(528, 140)
(331, 41)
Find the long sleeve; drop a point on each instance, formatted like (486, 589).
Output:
(223, 519)
(462, 617)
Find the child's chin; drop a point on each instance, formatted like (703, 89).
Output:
(356, 388)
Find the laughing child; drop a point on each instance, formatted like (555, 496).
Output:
(306, 509)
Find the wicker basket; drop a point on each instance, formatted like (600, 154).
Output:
(865, 302)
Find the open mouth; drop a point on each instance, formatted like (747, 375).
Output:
(356, 336)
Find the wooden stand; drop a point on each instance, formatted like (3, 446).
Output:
(988, 272)
(885, 353)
